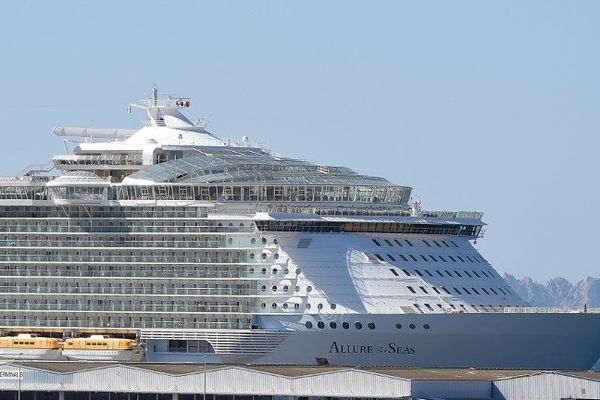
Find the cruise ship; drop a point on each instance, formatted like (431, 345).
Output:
(203, 249)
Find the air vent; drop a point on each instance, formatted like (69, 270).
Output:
(304, 243)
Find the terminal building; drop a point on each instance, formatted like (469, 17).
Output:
(148, 381)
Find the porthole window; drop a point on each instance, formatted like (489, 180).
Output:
(274, 305)
(320, 306)
(309, 288)
(333, 306)
(275, 241)
(426, 326)
(297, 288)
(358, 325)
(286, 271)
(264, 256)
(274, 288)
(371, 325)
(263, 271)
(263, 288)
(308, 306)
(230, 240)
(345, 325)
(264, 240)
(296, 306)
(321, 324)
(398, 326)
(285, 289)
(285, 306)
(308, 324)
(252, 240)
(298, 271)
(412, 326)
(252, 255)
(251, 270)
(263, 305)
(276, 256)
(275, 270)
(332, 325)
(241, 224)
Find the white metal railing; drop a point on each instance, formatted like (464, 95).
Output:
(549, 310)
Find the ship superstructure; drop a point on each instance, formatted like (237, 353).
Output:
(205, 247)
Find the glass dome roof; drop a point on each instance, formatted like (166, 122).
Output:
(251, 167)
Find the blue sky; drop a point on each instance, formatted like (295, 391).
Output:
(488, 106)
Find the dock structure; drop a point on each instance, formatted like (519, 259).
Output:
(151, 381)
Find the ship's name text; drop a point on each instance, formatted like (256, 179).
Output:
(391, 348)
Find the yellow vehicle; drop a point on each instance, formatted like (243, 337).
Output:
(27, 346)
(102, 348)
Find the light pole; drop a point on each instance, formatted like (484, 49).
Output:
(19, 378)
(204, 391)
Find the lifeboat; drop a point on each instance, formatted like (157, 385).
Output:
(102, 348)
(29, 347)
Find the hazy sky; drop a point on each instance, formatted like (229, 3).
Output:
(488, 106)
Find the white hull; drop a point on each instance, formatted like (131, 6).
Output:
(30, 354)
(104, 355)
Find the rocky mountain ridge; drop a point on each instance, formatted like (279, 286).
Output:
(557, 292)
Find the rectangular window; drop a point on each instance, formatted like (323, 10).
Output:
(508, 291)
(376, 242)
(428, 307)
(423, 289)
(423, 257)
(468, 274)
(388, 242)
(391, 258)
(485, 291)
(457, 274)
(484, 274)
(460, 258)
(418, 272)
(428, 273)
(466, 291)
(469, 258)
(452, 258)
(436, 243)
(408, 242)
(439, 273)
(448, 273)
(457, 291)
(426, 242)
(455, 245)
(433, 258)
(397, 242)
(406, 272)
(493, 291)
(445, 244)
(446, 289)
(402, 257)
(442, 258)
(379, 257)
(502, 291)
(476, 274)
(413, 257)
(394, 272)
(411, 289)
(436, 290)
